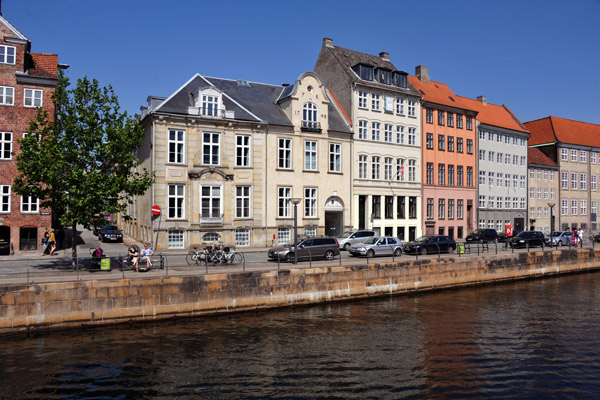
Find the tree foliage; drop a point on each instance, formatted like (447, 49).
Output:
(82, 161)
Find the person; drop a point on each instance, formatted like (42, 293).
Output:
(45, 242)
(580, 237)
(574, 237)
(146, 253)
(133, 254)
(52, 243)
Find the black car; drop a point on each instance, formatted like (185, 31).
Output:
(502, 237)
(528, 238)
(110, 233)
(482, 235)
(597, 238)
(316, 247)
(430, 245)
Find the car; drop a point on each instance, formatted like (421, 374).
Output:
(482, 235)
(502, 236)
(377, 246)
(315, 247)
(349, 238)
(110, 233)
(430, 245)
(596, 238)
(527, 238)
(559, 238)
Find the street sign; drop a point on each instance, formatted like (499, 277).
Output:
(155, 210)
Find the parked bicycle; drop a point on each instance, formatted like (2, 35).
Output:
(216, 255)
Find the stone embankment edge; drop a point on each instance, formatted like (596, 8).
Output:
(39, 307)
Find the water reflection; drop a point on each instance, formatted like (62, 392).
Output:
(528, 339)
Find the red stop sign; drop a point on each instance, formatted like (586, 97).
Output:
(155, 210)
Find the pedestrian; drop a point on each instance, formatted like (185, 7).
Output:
(60, 237)
(52, 243)
(145, 254)
(45, 242)
(580, 237)
(133, 255)
(574, 237)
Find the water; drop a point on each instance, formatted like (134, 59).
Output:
(529, 339)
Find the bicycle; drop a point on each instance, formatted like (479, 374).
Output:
(197, 256)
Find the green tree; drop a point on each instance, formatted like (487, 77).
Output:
(82, 161)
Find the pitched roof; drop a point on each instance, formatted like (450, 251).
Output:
(438, 93)
(536, 156)
(45, 65)
(491, 114)
(13, 30)
(554, 129)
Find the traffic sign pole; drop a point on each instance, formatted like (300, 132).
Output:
(156, 212)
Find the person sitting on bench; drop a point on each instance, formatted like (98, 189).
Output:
(145, 254)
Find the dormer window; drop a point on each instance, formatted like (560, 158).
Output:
(210, 105)
(310, 120)
(399, 79)
(208, 102)
(365, 72)
(384, 76)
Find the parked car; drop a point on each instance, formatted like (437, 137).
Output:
(321, 247)
(349, 238)
(430, 245)
(596, 238)
(502, 236)
(377, 246)
(482, 235)
(110, 233)
(527, 238)
(559, 238)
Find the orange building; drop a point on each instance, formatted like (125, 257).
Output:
(449, 159)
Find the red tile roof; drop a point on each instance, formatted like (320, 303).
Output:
(491, 114)
(44, 65)
(536, 156)
(436, 92)
(551, 129)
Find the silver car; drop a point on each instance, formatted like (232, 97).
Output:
(349, 238)
(559, 238)
(377, 246)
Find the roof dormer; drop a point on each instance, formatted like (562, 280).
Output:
(208, 102)
(364, 71)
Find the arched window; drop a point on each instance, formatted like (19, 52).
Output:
(211, 237)
(310, 116)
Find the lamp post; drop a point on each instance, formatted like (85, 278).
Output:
(295, 201)
(551, 205)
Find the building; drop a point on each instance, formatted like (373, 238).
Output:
(233, 159)
(501, 166)
(543, 191)
(449, 151)
(574, 147)
(386, 116)
(27, 81)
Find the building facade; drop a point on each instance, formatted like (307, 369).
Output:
(449, 160)
(27, 81)
(386, 116)
(543, 183)
(501, 166)
(232, 158)
(575, 148)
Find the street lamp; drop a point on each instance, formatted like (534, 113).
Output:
(295, 201)
(551, 205)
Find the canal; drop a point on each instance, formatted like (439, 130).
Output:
(527, 339)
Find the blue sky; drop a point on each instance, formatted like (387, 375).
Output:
(540, 58)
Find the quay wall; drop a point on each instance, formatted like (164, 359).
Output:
(45, 306)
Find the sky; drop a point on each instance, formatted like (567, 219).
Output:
(539, 58)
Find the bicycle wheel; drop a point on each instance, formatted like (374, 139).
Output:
(236, 259)
(191, 258)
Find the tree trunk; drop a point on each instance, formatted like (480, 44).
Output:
(74, 245)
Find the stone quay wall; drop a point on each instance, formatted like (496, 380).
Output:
(46, 306)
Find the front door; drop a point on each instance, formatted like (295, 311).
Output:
(334, 223)
(4, 240)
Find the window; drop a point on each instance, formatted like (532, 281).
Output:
(515, 160)
(400, 134)
(285, 154)
(176, 239)
(412, 170)
(399, 80)
(362, 129)
(482, 177)
(459, 175)
(552, 194)
(450, 208)
(7, 54)
(441, 142)
(401, 207)
(7, 95)
(383, 75)
(309, 116)
(450, 175)
(545, 174)
(499, 178)
(175, 200)
(552, 175)
(583, 181)
(210, 148)
(499, 158)
(507, 139)
(375, 131)
(387, 168)
(573, 181)
(491, 178)
(283, 235)
(459, 208)
(515, 181)
(469, 146)
(242, 237)
(29, 204)
(429, 173)
(362, 99)
(412, 107)
(574, 207)
(564, 155)
(210, 201)
(429, 115)
(522, 182)
(430, 141)
(531, 173)
(429, 208)
(242, 151)
(310, 202)
(524, 162)
(32, 98)
(242, 201)
(310, 231)
(481, 155)
(210, 105)
(507, 159)
(470, 176)
(375, 160)
(400, 105)
(564, 180)
(593, 183)
(400, 169)
(388, 131)
(412, 207)
(481, 135)
(441, 174)
(582, 156)
(469, 123)
(593, 157)
(412, 136)
(499, 202)
(450, 119)
(522, 203)
(389, 207)
(459, 145)
(5, 145)
(491, 156)
(539, 193)
(583, 207)
(5, 198)
(450, 143)
(364, 71)
(335, 157)
(310, 156)
(507, 180)
(594, 209)
(284, 201)
(573, 155)
(176, 146)
(440, 117)
(441, 208)
(375, 101)
(564, 207)
(362, 167)
(376, 205)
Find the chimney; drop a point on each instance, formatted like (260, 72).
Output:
(384, 55)
(327, 42)
(422, 72)
(482, 100)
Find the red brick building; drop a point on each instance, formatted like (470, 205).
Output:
(27, 81)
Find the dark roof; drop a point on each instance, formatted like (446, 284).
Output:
(536, 156)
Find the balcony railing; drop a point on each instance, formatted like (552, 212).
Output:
(311, 126)
(210, 220)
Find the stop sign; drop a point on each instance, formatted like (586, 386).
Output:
(155, 210)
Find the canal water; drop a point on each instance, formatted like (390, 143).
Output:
(528, 339)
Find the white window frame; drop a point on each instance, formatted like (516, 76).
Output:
(564, 207)
(363, 98)
(213, 194)
(388, 133)
(176, 201)
(412, 108)
(284, 158)
(335, 157)
(310, 202)
(176, 239)
(400, 134)
(176, 146)
(30, 205)
(375, 167)
(412, 136)
(242, 151)
(211, 148)
(284, 202)
(210, 105)
(310, 155)
(564, 154)
(375, 101)
(375, 131)
(8, 54)
(33, 98)
(363, 166)
(6, 145)
(574, 207)
(283, 235)
(7, 99)
(242, 237)
(363, 129)
(400, 105)
(243, 203)
(5, 191)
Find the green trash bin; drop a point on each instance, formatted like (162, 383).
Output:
(105, 264)
(460, 249)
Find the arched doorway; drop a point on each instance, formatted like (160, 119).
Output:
(334, 216)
